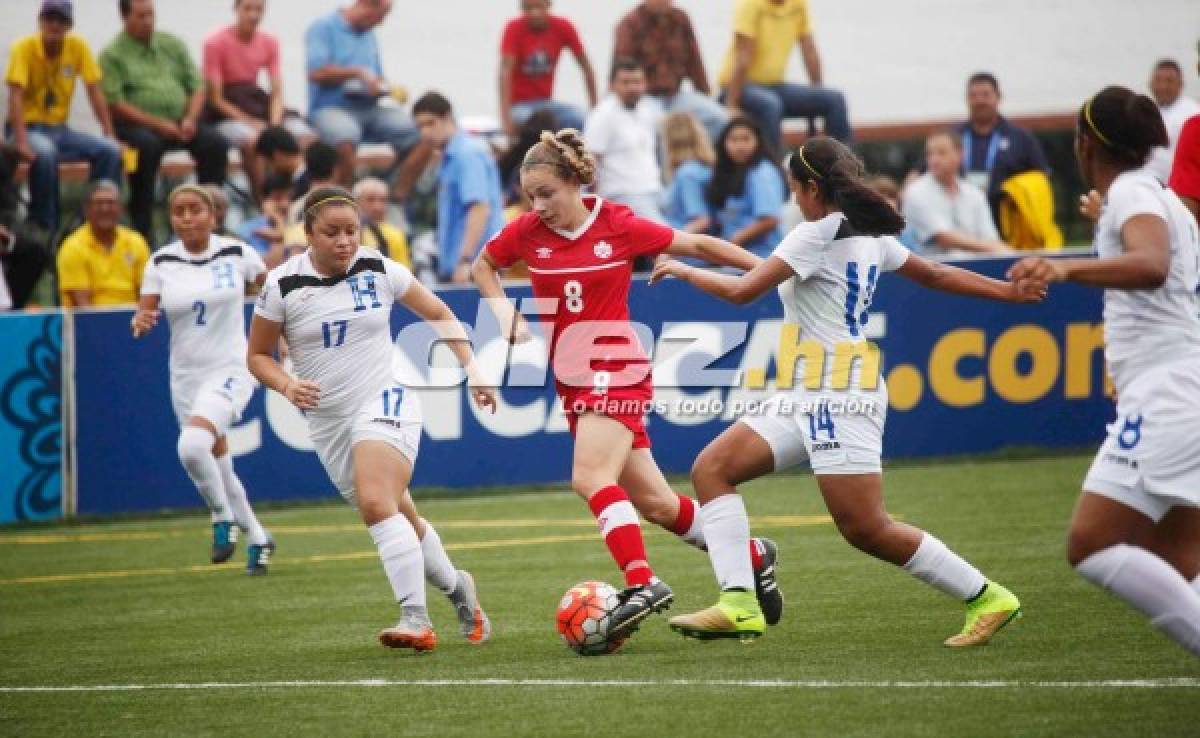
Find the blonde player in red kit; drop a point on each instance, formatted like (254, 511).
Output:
(580, 251)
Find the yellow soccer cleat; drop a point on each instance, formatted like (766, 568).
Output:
(736, 615)
(995, 608)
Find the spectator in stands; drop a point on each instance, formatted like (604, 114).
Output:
(280, 151)
(529, 52)
(689, 161)
(265, 232)
(234, 57)
(348, 97)
(220, 202)
(528, 135)
(754, 74)
(41, 75)
(1185, 172)
(377, 233)
(622, 132)
(747, 192)
(101, 263)
(470, 199)
(320, 170)
(157, 96)
(1166, 85)
(946, 212)
(993, 148)
(23, 255)
(660, 37)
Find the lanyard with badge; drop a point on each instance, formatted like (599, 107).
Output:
(980, 178)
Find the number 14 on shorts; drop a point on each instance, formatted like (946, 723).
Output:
(822, 420)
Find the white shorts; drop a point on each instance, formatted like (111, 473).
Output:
(220, 399)
(837, 432)
(1150, 460)
(334, 437)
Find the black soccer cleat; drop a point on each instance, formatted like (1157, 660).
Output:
(766, 587)
(637, 604)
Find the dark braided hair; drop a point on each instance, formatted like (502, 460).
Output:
(841, 182)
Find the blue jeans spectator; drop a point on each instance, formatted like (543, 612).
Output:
(711, 114)
(369, 124)
(770, 104)
(567, 116)
(55, 144)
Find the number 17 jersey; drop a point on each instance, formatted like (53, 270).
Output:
(582, 280)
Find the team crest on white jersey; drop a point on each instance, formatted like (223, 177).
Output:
(544, 252)
(604, 250)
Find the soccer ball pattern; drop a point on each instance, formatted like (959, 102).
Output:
(583, 618)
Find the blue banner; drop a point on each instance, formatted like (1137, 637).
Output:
(964, 376)
(31, 429)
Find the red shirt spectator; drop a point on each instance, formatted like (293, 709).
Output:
(536, 52)
(529, 52)
(1185, 173)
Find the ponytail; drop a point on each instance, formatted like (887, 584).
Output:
(1125, 125)
(841, 181)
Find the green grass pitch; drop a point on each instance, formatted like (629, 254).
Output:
(858, 652)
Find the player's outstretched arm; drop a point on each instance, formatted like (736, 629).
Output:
(430, 308)
(486, 275)
(712, 250)
(739, 289)
(945, 278)
(1144, 265)
(146, 316)
(260, 360)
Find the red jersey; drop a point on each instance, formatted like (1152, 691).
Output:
(582, 280)
(1185, 174)
(536, 54)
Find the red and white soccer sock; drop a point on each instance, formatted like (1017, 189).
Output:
(239, 503)
(622, 534)
(944, 570)
(195, 453)
(727, 532)
(689, 526)
(438, 570)
(400, 552)
(1151, 585)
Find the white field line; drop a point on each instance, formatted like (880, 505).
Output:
(1166, 683)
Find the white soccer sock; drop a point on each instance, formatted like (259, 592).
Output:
(438, 570)
(944, 570)
(1152, 586)
(195, 453)
(400, 552)
(1196, 585)
(727, 531)
(239, 503)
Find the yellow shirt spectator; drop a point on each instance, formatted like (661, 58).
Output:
(112, 276)
(775, 30)
(395, 243)
(48, 85)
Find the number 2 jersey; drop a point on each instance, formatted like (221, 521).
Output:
(203, 298)
(338, 329)
(581, 281)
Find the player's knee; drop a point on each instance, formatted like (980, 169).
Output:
(711, 466)
(586, 480)
(194, 445)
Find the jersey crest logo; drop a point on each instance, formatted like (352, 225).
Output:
(544, 252)
(603, 250)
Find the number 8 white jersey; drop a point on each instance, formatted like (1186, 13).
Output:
(837, 270)
(338, 329)
(203, 296)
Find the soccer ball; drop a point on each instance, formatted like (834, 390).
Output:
(583, 618)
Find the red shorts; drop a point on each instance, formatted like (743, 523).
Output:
(627, 408)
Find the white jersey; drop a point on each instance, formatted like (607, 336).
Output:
(1145, 328)
(338, 329)
(836, 272)
(203, 296)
